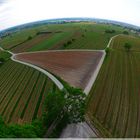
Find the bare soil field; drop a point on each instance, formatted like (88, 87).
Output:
(75, 67)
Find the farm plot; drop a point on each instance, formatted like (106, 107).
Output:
(72, 36)
(22, 92)
(114, 101)
(75, 67)
(27, 45)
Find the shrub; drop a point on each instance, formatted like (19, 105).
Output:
(83, 35)
(54, 104)
(110, 31)
(127, 46)
(107, 50)
(4, 56)
(69, 42)
(125, 32)
(29, 38)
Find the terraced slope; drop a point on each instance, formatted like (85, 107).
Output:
(114, 101)
(22, 92)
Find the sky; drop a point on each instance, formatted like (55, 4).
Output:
(16, 12)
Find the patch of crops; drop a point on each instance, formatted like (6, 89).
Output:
(114, 101)
(22, 92)
(81, 35)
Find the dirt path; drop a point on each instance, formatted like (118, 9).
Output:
(53, 78)
(80, 130)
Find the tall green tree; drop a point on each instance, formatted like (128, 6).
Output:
(127, 46)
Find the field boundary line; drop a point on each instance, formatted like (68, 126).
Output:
(95, 73)
(53, 78)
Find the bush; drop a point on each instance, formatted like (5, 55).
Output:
(107, 50)
(127, 46)
(125, 32)
(2, 60)
(73, 39)
(83, 35)
(29, 38)
(22, 131)
(110, 31)
(69, 42)
(4, 56)
(54, 104)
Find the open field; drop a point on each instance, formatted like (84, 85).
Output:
(75, 67)
(71, 36)
(114, 101)
(22, 92)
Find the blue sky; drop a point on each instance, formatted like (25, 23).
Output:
(15, 12)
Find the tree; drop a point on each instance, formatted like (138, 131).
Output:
(107, 50)
(125, 32)
(110, 31)
(29, 38)
(54, 104)
(127, 46)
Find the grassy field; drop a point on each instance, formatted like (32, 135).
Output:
(22, 92)
(80, 35)
(114, 101)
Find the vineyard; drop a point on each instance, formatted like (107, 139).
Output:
(22, 92)
(114, 101)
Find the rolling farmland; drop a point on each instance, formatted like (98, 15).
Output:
(75, 67)
(22, 92)
(72, 36)
(114, 101)
(113, 104)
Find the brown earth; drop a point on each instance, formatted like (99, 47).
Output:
(75, 67)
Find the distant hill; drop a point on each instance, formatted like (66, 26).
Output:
(65, 20)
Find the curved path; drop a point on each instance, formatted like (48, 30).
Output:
(83, 130)
(80, 130)
(53, 78)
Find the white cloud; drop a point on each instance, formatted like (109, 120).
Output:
(21, 11)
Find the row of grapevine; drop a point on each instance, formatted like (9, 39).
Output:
(22, 92)
(114, 101)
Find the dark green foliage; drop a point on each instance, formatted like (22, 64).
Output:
(2, 60)
(4, 56)
(110, 31)
(29, 38)
(107, 50)
(24, 131)
(58, 129)
(127, 46)
(17, 131)
(125, 32)
(54, 104)
(83, 35)
(73, 39)
(40, 129)
(68, 43)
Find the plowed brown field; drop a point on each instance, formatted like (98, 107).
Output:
(75, 67)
